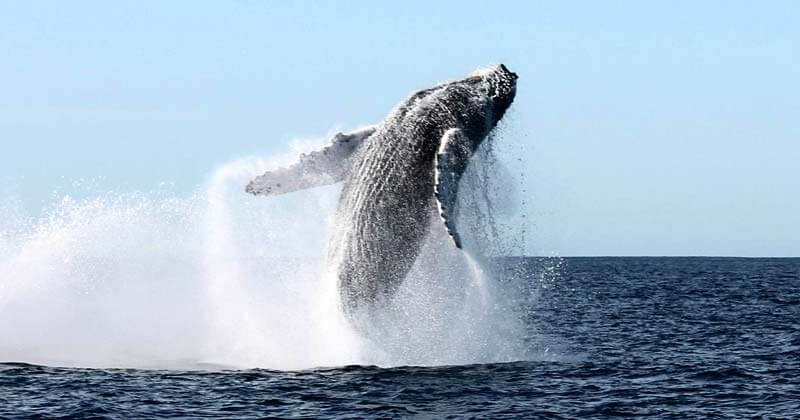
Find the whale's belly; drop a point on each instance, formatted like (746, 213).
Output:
(382, 220)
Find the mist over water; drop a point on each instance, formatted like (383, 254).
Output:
(222, 278)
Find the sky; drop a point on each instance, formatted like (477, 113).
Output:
(639, 128)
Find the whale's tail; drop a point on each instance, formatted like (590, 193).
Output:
(326, 166)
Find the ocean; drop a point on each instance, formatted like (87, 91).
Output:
(632, 337)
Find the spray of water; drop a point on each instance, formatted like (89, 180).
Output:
(220, 277)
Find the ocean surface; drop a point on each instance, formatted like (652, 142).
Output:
(662, 337)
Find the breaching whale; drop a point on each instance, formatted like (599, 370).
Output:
(397, 174)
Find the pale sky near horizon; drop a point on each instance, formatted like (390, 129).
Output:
(642, 128)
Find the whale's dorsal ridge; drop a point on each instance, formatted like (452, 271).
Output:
(325, 166)
(455, 150)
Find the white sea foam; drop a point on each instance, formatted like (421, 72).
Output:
(161, 279)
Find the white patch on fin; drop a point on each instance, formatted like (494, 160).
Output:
(455, 150)
(326, 166)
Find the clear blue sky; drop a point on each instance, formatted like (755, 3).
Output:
(646, 128)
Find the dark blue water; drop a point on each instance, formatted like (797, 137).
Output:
(665, 337)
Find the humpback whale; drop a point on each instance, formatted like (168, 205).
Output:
(397, 174)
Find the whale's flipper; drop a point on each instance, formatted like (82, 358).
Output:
(326, 166)
(455, 150)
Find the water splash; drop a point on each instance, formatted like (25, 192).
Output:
(271, 305)
(160, 279)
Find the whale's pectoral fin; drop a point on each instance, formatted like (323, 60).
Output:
(454, 152)
(326, 166)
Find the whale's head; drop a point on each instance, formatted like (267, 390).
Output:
(502, 86)
(498, 86)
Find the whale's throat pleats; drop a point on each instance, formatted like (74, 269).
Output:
(321, 167)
